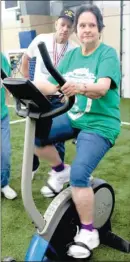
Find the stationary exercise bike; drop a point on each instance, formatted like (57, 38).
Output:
(59, 224)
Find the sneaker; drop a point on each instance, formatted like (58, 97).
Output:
(8, 192)
(52, 172)
(84, 242)
(56, 182)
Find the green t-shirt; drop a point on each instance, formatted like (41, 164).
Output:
(101, 116)
(5, 66)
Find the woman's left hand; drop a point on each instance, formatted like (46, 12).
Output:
(70, 89)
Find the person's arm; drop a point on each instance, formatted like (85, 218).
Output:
(46, 87)
(93, 91)
(25, 66)
(108, 76)
(96, 90)
(50, 86)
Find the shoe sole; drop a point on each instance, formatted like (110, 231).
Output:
(49, 195)
(3, 195)
(53, 194)
(97, 242)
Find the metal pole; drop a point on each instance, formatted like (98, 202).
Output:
(26, 182)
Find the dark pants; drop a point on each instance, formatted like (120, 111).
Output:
(59, 145)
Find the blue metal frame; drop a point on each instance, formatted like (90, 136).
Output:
(37, 249)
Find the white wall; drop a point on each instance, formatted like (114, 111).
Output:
(109, 19)
(7, 15)
(126, 51)
(102, 4)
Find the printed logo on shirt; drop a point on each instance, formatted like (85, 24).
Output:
(80, 75)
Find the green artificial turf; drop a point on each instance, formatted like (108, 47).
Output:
(17, 228)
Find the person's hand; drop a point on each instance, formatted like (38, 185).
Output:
(26, 76)
(62, 98)
(71, 89)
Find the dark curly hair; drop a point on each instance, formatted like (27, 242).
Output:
(94, 10)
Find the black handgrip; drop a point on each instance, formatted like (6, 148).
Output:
(57, 76)
(48, 63)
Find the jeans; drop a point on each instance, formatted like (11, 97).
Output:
(5, 151)
(59, 145)
(90, 149)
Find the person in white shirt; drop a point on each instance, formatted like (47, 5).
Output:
(57, 44)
